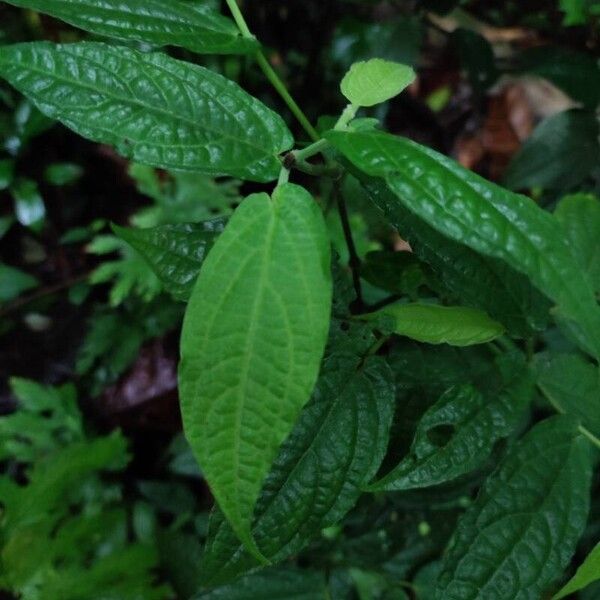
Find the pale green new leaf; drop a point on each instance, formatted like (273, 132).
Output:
(579, 214)
(152, 108)
(572, 385)
(587, 573)
(374, 81)
(335, 448)
(435, 324)
(457, 434)
(174, 252)
(487, 218)
(274, 584)
(159, 22)
(252, 341)
(521, 532)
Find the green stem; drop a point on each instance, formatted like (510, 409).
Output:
(284, 176)
(311, 150)
(347, 116)
(270, 73)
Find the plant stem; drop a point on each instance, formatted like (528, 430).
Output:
(270, 73)
(311, 150)
(353, 255)
(284, 176)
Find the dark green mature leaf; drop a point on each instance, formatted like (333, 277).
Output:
(572, 384)
(252, 341)
(476, 280)
(457, 434)
(488, 219)
(14, 282)
(521, 532)
(159, 22)
(436, 324)
(477, 58)
(175, 252)
(559, 154)
(335, 448)
(576, 73)
(587, 573)
(274, 584)
(153, 108)
(579, 214)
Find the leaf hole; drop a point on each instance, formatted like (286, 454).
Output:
(440, 435)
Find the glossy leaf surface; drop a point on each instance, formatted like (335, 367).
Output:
(485, 217)
(436, 324)
(175, 252)
(457, 434)
(253, 337)
(335, 448)
(159, 22)
(169, 113)
(521, 532)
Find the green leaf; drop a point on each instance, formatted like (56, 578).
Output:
(60, 174)
(174, 252)
(435, 324)
(477, 58)
(560, 153)
(521, 532)
(587, 573)
(7, 170)
(486, 218)
(579, 214)
(374, 81)
(457, 434)
(158, 22)
(14, 282)
(152, 108)
(472, 279)
(572, 385)
(287, 584)
(29, 204)
(335, 448)
(252, 341)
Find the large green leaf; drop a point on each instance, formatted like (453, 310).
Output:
(572, 384)
(521, 532)
(436, 324)
(560, 153)
(587, 573)
(175, 252)
(252, 341)
(159, 22)
(153, 108)
(475, 280)
(457, 434)
(335, 448)
(579, 214)
(275, 584)
(490, 220)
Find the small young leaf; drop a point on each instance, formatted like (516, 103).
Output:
(374, 81)
(579, 214)
(174, 252)
(14, 282)
(490, 220)
(159, 22)
(435, 324)
(587, 573)
(153, 108)
(470, 423)
(521, 532)
(572, 384)
(252, 341)
(62, 173)
(288, 584)
(335, 448)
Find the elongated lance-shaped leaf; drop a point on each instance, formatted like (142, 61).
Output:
(335, 448)
(476, 421)
(521, 532)
(152, 108)
(587, 573)
(160, 22)
(490, 220)
(476, 280)
(436, 324)
(252, 341)
(175, 252)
